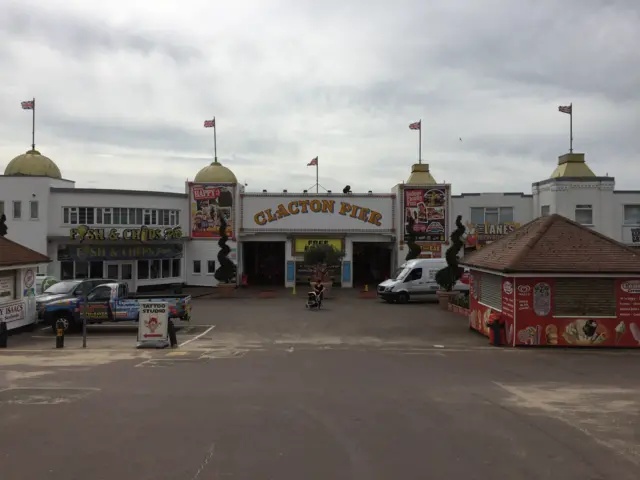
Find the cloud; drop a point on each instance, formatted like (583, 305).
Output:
(122, 89)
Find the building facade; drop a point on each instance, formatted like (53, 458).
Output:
(155, 239)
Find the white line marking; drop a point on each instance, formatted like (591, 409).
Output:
(197, 336)
(439, 346)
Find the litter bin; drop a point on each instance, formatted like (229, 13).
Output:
(496, 327)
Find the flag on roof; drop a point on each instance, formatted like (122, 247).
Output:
(415, 125)
(313, 162)
(565, 109)
(210, 123)
(28, 104)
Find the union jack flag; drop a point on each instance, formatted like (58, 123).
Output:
(28, 104)
(565, 109)
(416, 125)
(313, 161)
(210, 123)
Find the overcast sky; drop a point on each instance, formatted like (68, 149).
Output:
(123, 87)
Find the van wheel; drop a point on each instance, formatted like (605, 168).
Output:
(403, 297)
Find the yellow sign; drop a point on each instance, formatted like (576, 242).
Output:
(301, 245)
(297, 207)
(142, 234)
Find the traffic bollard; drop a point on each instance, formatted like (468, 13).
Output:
(59, 334)
(173, 339)
(4, 335)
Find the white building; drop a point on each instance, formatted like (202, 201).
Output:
(154, 239)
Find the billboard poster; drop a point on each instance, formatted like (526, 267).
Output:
(209, 202)
(482, 234)
(427, 206)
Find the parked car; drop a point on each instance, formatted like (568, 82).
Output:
(66, 289)
(111, 302)
(415, 279)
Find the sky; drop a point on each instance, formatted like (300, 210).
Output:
(122, 90)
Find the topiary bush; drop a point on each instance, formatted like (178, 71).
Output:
(448, 276)
(227, 269)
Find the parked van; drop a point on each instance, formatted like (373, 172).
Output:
(415, 280)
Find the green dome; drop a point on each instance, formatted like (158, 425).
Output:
(34, 164)
(215, 173)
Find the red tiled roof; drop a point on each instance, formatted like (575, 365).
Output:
(12, 253)
(555, 244)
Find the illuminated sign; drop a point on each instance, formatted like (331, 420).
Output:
(140, 234)
(297, 207)
(301, 245)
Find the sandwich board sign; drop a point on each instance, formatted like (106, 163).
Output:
(153, 325)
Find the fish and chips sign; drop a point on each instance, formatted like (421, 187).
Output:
(141, 234)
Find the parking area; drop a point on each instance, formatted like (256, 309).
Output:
(272, 323)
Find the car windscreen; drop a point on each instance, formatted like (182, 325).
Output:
(61, 288)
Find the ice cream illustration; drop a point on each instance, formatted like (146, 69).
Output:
(621, 329)
(635, 331)
(551, 334)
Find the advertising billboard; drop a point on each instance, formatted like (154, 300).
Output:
(427, 206)
(209, 202)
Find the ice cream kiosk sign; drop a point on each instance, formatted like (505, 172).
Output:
(527, 309)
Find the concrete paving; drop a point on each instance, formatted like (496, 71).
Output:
(263, 389)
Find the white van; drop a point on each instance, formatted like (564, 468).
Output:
(415, 279)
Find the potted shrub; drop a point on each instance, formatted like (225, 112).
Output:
(448, 276)
(322, 258)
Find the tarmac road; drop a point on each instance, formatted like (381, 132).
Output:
(297, 404)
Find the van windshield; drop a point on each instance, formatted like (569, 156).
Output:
(399, 273)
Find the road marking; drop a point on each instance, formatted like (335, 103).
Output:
(439, 346)
(197, 336)
(176, 354)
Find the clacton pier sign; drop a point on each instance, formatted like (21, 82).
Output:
(371, 213)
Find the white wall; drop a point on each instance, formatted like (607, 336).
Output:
(105, 198)
(27, 232)
(521, 203)
(624, 229)
(564, 194)
(205, 250)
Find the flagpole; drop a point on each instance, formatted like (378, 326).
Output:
(215, 143)
(420, 142)
(33, 125)
(317, 178)
(571, 127)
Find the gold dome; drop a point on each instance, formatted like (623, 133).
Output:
(215, 173)
(420, 175)
(33, 164)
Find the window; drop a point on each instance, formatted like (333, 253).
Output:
(166, 268)
(196, 267)
(155, 269)
(96, 269)
(7, 286)
(143, 269)
(211, 267)
(1, 208)
(33, 210)
(584, 214)
(490, 293)
(175, 267)
(66, 270)
(545, 210)
(100, 294)
(631, 214)
(17, 210)
(82, 270)
(492, 215)
(584, 297)
(120, 216)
